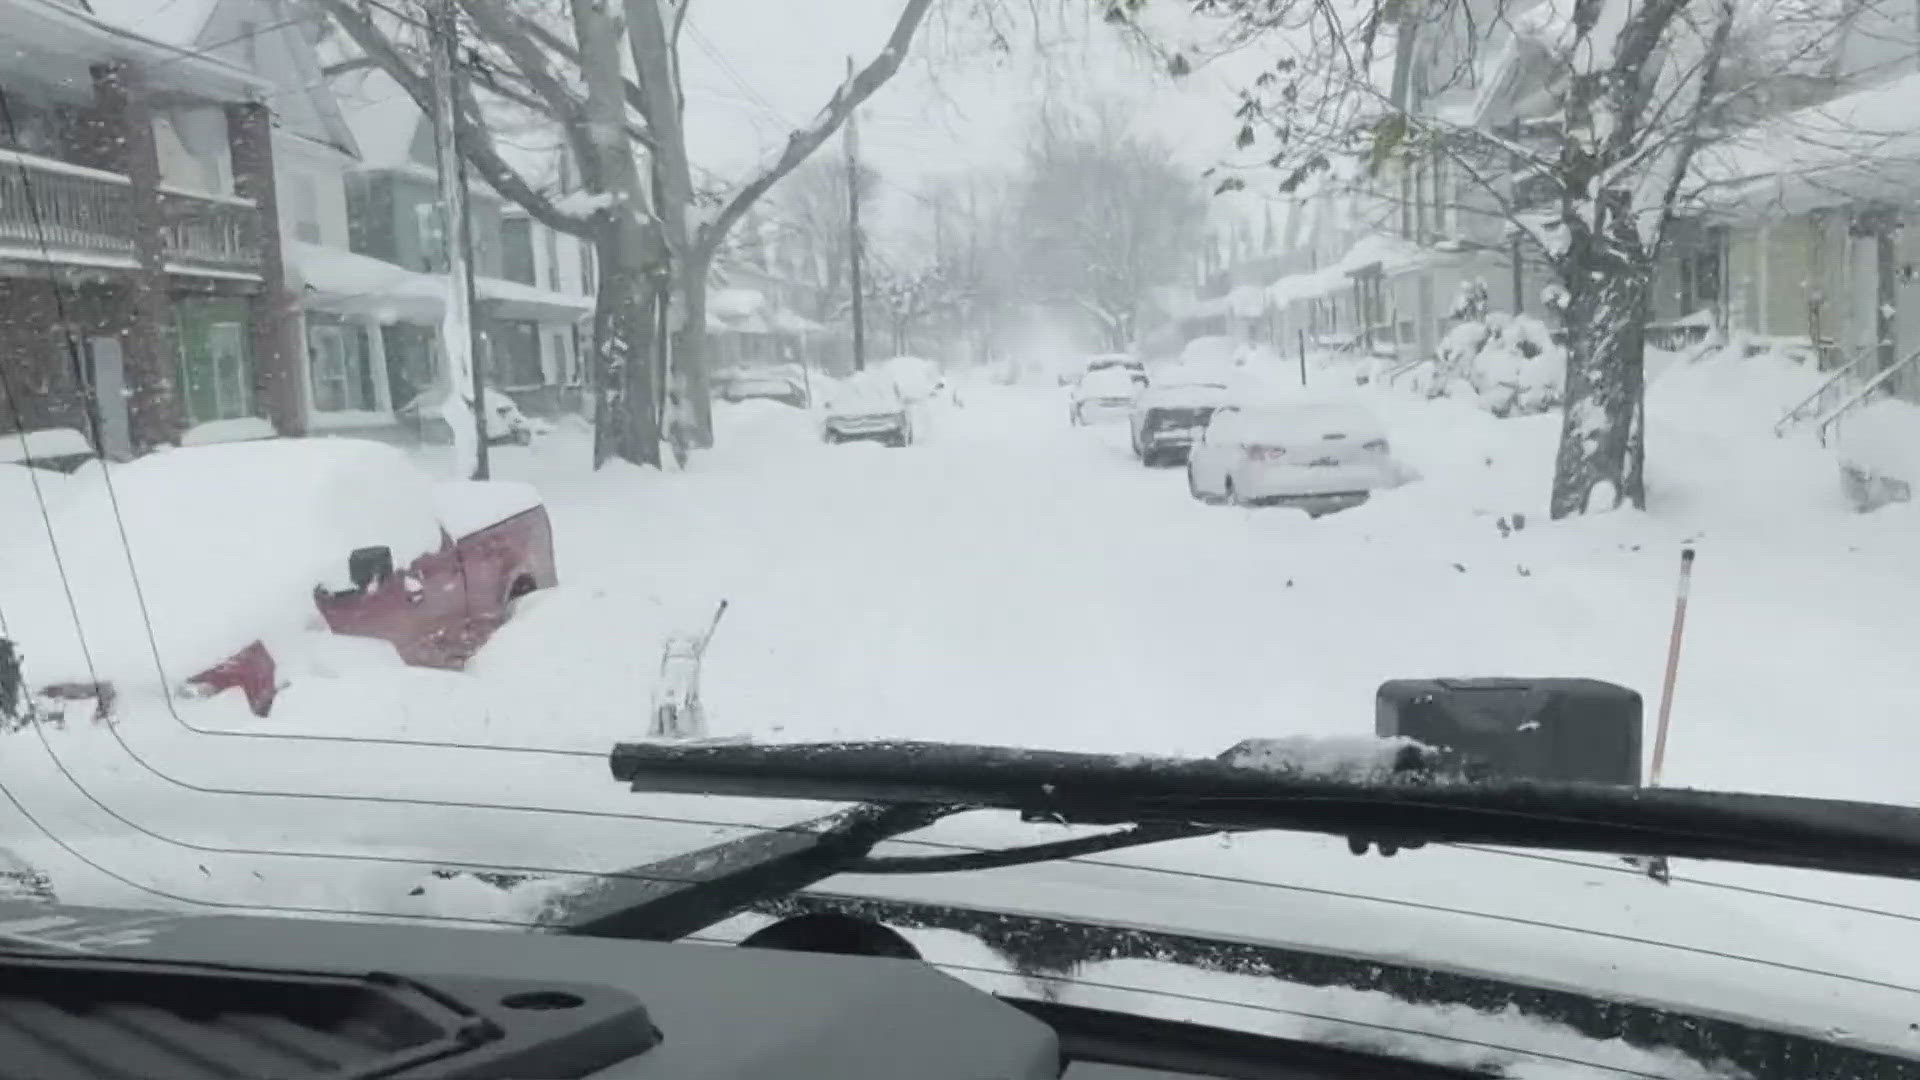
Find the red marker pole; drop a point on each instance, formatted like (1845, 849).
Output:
(1673, 666)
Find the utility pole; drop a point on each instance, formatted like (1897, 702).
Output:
(459, 333)
(853, 228)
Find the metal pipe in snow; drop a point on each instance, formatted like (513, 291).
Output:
(1673, 665)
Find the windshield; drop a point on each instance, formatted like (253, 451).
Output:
(1141, 384)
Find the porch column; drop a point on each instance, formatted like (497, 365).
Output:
(123, 140)
(274, 310)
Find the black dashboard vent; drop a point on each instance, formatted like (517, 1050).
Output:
(105, 1019)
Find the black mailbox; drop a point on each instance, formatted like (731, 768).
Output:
(1537, 729)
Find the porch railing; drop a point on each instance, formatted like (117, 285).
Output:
(1834, 386)
(210, 232)
(73, 210)
(76, 214)
(1830, 422)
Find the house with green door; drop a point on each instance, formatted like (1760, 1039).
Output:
(143, 297)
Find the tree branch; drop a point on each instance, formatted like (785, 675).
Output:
(345, 67)
(475, 142)
(636, 100)
(804, 142)
(508, 30)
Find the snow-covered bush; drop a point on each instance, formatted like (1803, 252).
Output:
(1509, 362)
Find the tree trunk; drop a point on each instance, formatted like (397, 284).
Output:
(629, 248)
(625, 420)
(1601, 463)
(687, 381)
(689, 355)
(651, 47)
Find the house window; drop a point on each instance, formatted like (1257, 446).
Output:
(553, 258)
(582, 353)
(339, 366)
(513, 354)
(516, 250)
(306, 209)
(562, 358)
(432, 226)
(588, 281)
(412, 361)
(216, 363)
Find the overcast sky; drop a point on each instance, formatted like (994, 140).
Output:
(754, 69)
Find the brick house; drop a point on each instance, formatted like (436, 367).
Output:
(137, 210)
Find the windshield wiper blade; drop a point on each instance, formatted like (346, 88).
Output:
(1402, 808)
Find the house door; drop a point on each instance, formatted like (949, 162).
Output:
(1863, 290)
(107, 371)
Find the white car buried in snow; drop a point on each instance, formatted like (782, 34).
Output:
(867, 406)
(1105, 393)
(1319, 456)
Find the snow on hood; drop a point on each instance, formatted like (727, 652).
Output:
(229, 541)
(1577, 923)
(1177, 395)
(464, 507)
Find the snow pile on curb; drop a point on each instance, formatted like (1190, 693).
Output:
(1883, 439)
(229, 540)
(1510, 361)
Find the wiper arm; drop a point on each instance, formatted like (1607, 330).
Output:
(1402, 808)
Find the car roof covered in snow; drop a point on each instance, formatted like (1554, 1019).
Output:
(1185, 389)
(1299, 420)
(1109, 380)
(228, 542)
(863, 389)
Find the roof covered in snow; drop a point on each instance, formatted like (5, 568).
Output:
(1862, 145)
(337, 280)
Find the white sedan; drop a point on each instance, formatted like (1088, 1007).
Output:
(1319, 456)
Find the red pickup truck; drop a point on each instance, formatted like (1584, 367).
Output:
(241, 548)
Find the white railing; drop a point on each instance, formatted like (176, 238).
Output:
(1830, 422)
(62, 207)
(71, 211)
(1816, 403)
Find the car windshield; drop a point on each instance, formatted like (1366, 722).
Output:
(1130, 378)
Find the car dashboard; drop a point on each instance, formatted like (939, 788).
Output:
(93, 993)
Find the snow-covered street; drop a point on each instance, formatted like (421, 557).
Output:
(1012, 579)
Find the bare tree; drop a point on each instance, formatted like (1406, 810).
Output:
(516, 80)
(655, 245)
(691, 243)
(812, 207)
(1104, 217)
(1598, 108)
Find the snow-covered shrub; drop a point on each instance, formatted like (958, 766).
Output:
(1509, 362)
